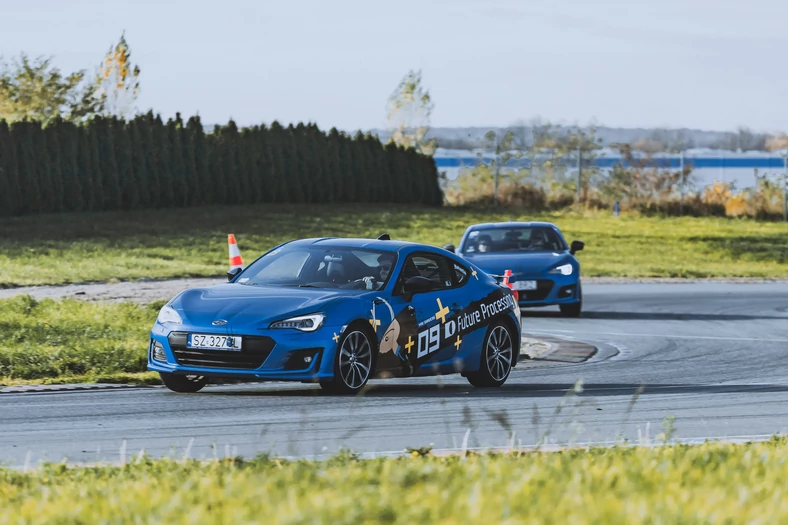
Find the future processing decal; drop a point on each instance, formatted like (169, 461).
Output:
(408, 343)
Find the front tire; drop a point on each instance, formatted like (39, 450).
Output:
(353, 365)
(496, 359)
(183, 384)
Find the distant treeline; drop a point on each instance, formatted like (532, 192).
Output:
(111, 164)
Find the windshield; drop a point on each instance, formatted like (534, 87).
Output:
(322, 267)
(515, 239)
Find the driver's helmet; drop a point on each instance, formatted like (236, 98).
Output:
(385, 262)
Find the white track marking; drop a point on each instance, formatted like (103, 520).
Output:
(664, 336)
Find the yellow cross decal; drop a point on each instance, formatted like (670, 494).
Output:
(374, 322)
(409, 344)
(474, 274)
(443, 311)
(458, 343)
(335, 338)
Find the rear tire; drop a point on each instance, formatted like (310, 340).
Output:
(183, 384)
(573, 310)
(497, 357)
(354, 363)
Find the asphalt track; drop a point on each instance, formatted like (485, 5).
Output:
(712, 355)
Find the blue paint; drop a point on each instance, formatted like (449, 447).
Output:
(609, 162)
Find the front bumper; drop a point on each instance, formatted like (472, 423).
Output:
(279, 355)
(550, 290)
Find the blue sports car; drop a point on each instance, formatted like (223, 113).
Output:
(339, 312)
(544, 268)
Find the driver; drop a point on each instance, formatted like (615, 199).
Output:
(385, 262)
(484, 244)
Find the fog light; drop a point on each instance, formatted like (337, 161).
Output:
(308, 359)
(158, 352)
(567, 291)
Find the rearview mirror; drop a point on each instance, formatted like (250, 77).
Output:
(233, 273)
(576, 246)
(417, 285)
(449, 248)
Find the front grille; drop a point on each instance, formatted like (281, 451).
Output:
(254, 351)
(543, 287)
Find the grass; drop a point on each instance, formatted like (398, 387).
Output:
(709, 483)
(71, 341)
(57, 249)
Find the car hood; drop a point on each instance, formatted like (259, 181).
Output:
(522, 263)
(244, 306)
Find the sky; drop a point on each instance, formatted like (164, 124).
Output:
(703, 64)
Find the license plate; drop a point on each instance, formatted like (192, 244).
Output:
(214, 342)
(524, 285)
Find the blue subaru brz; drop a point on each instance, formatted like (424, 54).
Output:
(339, 312)
(544, 269)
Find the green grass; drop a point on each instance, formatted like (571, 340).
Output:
(710, 483)
(72, 341)
(84, 247)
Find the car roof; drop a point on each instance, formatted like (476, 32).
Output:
(510, 224)
(372, 244)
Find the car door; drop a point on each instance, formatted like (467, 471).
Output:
(436, 336)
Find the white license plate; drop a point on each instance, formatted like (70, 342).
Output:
(524, 285)
(214, 342)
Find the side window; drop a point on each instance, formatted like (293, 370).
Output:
(434, 267)
(460, 274)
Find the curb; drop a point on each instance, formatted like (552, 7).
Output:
(549, 348)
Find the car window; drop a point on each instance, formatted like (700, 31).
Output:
(433, 267)
(319, 266)
(461, 274)
(286, 267)
(515, 239)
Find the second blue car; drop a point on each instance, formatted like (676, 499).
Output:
(544, 268)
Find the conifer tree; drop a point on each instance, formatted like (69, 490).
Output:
(279, 183)
(194, 163)
(68, 137)
(161, 146)
(9, 172)
(129, 186)
(94, 176)
(25, 153)
(139, 165)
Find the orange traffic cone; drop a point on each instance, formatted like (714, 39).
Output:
(235, 253)
(506, 275)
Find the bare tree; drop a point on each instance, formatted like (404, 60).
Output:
(408, 114)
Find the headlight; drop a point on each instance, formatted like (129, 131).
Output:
(564, 269)
(305, 323)
(169, 315)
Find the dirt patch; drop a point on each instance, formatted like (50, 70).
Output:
(147, 291)
(142, 292)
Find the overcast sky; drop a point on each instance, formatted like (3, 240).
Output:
(708, 64)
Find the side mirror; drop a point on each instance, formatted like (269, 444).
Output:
(417, 285)
(233, 273)
(576, 246)
(449, 248)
